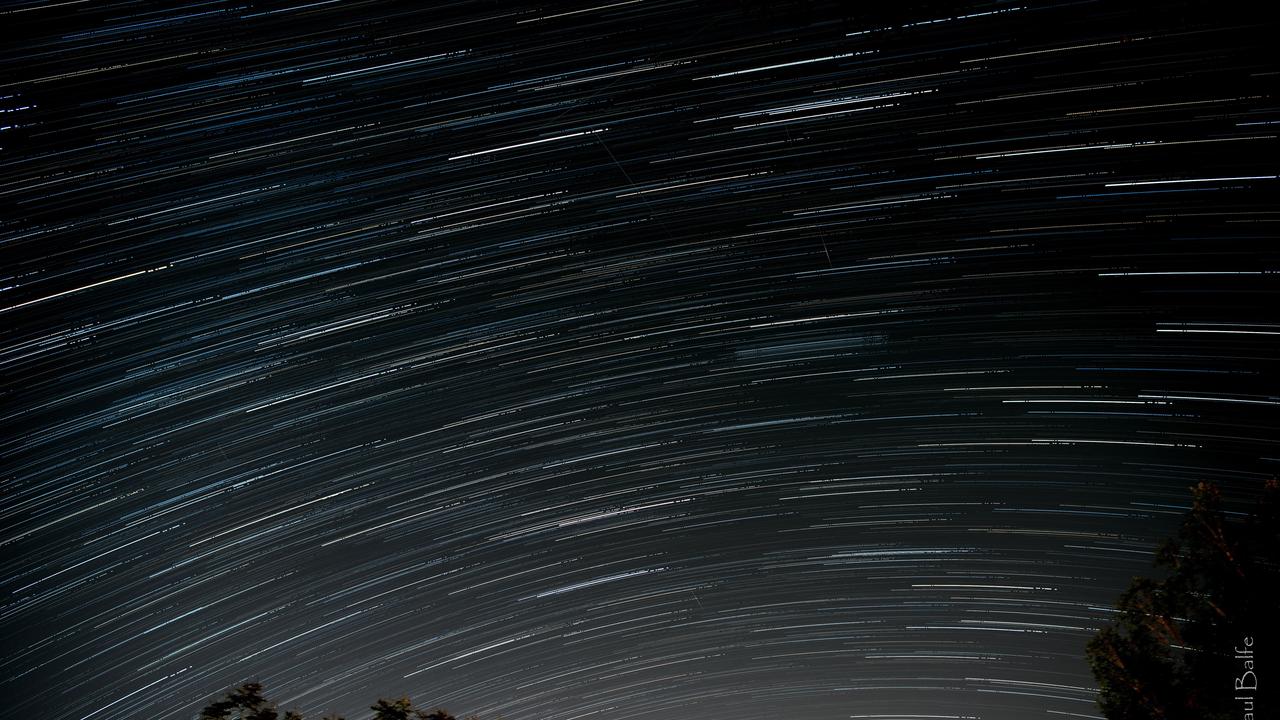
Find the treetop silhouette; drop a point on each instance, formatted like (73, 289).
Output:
(1179, 644)
(246, 702)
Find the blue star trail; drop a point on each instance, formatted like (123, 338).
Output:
(634, 359)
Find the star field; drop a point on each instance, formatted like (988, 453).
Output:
(639, 359)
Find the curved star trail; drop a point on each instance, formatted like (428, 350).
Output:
(638, 359)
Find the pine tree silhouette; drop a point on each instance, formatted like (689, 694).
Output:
(246, 702)
(1171, 653)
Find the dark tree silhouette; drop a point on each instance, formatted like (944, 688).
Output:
(1172, 652)
(403, 709)
(400, 709)
(247, 703)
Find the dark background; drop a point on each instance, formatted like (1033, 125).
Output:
(828, 360)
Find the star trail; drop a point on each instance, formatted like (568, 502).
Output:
(631, 359)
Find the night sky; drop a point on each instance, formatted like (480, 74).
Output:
(643, 359)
